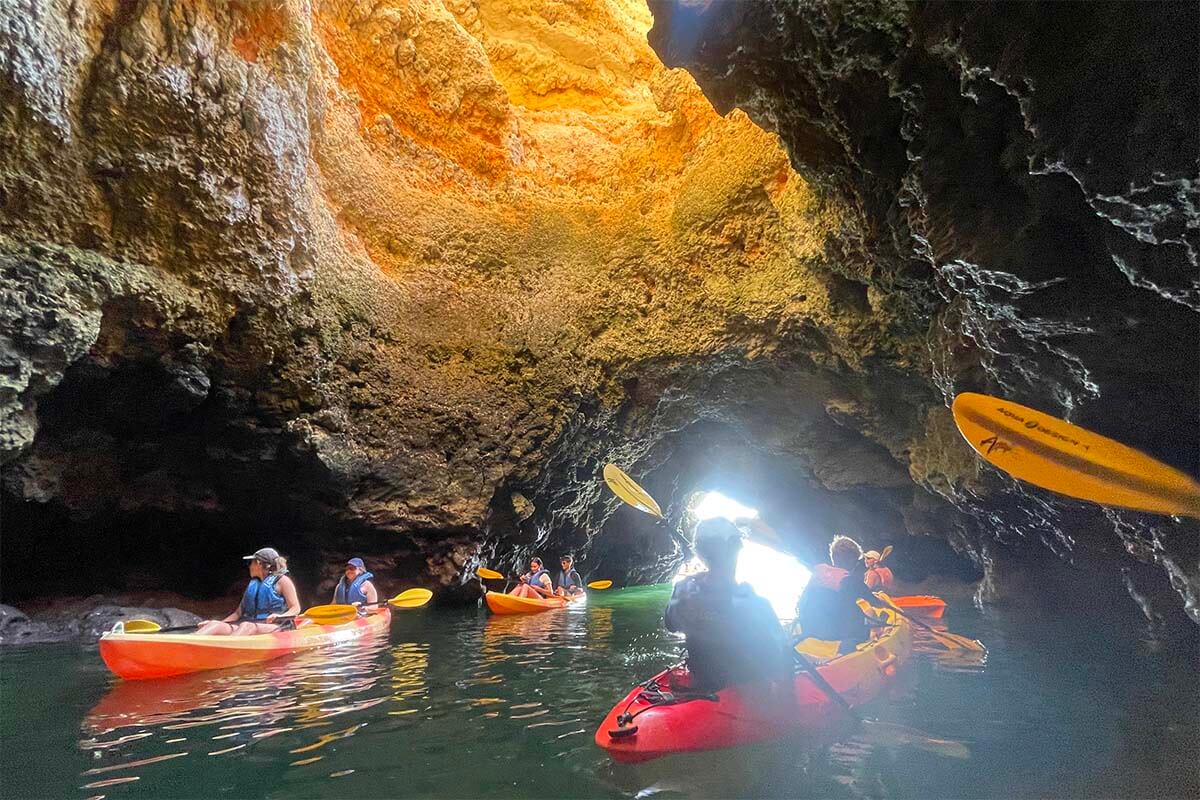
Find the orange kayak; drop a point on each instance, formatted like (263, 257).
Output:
(921, 605)
(501, 603)
(140, 656)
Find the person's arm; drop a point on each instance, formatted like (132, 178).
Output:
(235, 616)
(679, 612)
(372, 595)
(288, 589)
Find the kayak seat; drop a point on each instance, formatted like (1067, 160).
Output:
(818, 650)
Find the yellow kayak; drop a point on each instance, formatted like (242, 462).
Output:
(501, 603)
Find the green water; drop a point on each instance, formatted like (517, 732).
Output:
(458, 703)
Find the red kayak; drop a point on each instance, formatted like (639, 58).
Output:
(921, 605)
(661, 717)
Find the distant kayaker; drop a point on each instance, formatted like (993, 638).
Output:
(878, 577)
(569, 583)
(355, 587)
(827, 608)
(270, 594)
(733, 635)
(535, 583)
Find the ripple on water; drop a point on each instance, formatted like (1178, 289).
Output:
(463, 704)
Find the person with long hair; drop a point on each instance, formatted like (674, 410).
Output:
(535, 583)
(270, 594)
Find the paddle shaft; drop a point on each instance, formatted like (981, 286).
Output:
(960, 641)
(177, 628)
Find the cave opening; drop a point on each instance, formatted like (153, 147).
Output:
(775, 575)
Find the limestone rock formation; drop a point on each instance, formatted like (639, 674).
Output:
(347, 277)
(1027, 175)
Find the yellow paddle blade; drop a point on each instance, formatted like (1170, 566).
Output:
(629, 492)
(599, 584)
(141, 626)
(412, 598)
(953, 641)
(887, 551)
(489, 574)
(320, 613)
(1067, 459)
(890, 734)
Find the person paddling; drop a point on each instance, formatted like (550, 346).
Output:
(535, 583)
(828, 608)
(733, 635)
(569, 583)
(355, 587)
(878, 577)
(270, 594)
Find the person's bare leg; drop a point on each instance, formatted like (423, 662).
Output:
(216, 627)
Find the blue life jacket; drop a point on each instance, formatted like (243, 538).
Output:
(535, 578)
(354, 594)
(569, 580)
(261, 599)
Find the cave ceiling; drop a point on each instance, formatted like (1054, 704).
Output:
(352, 275)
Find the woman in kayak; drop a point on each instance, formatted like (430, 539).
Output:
(270, 594)
(878, 577)
(355, 587)
(569, 583)
(733, 635)
(828, 607)
(535, 583)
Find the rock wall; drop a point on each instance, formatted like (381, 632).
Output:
(1026, 174)
(350, 277)
(346, 276)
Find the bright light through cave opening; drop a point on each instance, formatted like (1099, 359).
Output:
(776, 576)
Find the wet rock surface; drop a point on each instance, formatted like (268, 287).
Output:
(346, 280)
(81, 621)
(1025, 179)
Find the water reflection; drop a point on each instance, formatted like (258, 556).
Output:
(466, 705)
(535, 684)
(221, 712)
